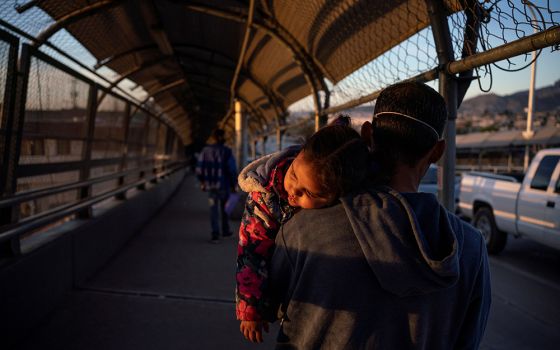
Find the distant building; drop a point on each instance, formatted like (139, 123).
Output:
(503, 151)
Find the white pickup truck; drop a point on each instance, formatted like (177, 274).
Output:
(530, 207)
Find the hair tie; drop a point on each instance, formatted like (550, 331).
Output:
(409, 117)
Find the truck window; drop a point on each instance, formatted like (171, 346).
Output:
(544, 172)
(557, 188)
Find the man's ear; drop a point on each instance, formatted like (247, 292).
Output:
(437, 151)
(367, 134)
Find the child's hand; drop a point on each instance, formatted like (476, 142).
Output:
(252, 330)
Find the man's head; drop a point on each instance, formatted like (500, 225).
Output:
(407, 126)
(219, 136)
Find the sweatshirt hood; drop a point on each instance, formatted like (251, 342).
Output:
(254, 177)
(407, 239)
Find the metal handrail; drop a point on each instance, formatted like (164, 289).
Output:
(37, 221)
(43, 192)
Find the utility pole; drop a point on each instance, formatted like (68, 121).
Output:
(529, 133)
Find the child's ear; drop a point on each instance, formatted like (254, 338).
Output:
(367, 134)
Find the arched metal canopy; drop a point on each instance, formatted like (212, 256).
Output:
(294, 48)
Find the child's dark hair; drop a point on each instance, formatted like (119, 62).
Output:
(338, 155)
(412, 120)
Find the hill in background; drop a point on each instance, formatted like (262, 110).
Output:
(486, 112)
(546, 99)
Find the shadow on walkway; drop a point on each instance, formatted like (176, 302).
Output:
(169, 288)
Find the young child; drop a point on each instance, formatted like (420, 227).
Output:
(334, 161)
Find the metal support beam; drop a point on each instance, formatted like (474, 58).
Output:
(474, 14)
(448, 89)
(320, 120)
(240, 136)
(273, 98)
(128, 74)
(106, 61)
(24, 7)
(65, 55)
(311, 68)
(253, 110)
(161, 90)
(545, 38)
(156, 28)
(239, 65)
(74, 17)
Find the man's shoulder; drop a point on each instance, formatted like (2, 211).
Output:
(325, 219)
(470, 238)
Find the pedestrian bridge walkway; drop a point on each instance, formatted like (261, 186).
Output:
(168, 288)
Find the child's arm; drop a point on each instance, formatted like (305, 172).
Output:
(256, 242)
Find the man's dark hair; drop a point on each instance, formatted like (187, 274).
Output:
(339, 156)
(399, 138)
(219, 135)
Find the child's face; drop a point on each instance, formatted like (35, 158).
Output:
(303, 187)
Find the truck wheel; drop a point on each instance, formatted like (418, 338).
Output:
(495, 239)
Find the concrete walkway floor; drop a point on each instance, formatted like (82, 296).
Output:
(169, 288)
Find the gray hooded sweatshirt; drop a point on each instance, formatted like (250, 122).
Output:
(380, 270)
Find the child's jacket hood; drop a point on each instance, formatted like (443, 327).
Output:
(255, 176)
(407, 239)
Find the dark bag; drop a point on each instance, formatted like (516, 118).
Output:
(236, 204)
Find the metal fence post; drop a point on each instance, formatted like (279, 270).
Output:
(278, 139)
(254, 149)
(168, 146)
(264, 140)
(16, 83)
(154, 152)
(320, 120)
(85, 169)
(8, 106)
(448, 89)
(144, 151)
(127, 116)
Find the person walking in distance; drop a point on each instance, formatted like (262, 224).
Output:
(217, 173)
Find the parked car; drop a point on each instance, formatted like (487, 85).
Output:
(429, 182)
(527, 206)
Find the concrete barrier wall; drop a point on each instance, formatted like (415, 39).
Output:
(34, 284)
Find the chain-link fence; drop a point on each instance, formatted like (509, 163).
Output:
(484, 24)
(71, 143)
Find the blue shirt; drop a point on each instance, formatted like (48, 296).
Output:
(216, 168)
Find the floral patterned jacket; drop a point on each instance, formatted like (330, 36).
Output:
(265, 210)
